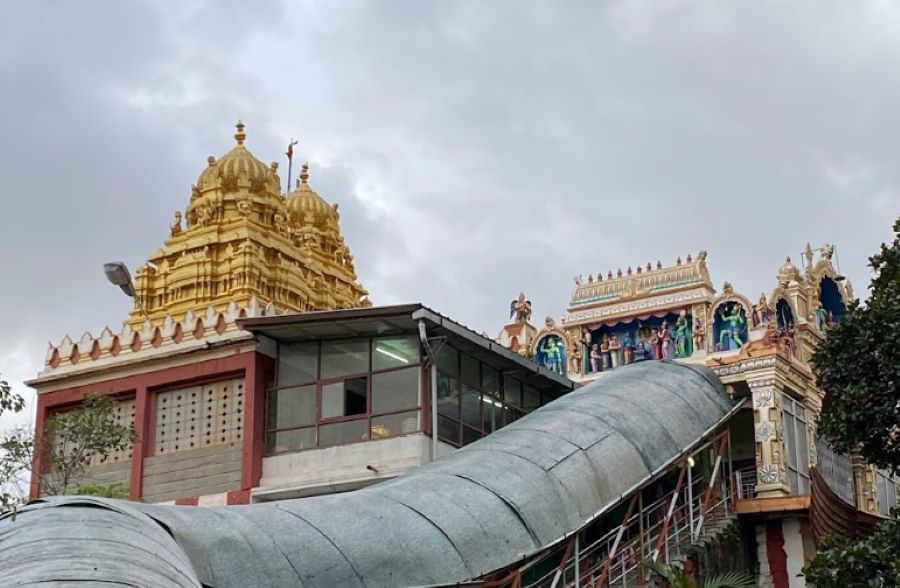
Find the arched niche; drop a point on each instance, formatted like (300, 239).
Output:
(729, 324)
(784, 315)
(550, 352)
(832, 300)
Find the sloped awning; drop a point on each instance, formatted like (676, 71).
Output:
(479, 509)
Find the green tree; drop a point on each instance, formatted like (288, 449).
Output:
(858, 367)
(875, 561)
(70, 441)
(676, 578)
(9, 473)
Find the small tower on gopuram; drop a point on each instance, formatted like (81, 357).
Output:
(241, 241)
(518, 334)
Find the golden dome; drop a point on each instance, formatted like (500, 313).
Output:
(788, 272)
(237, 168)
(305, 203)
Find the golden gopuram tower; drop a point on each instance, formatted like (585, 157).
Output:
(240, 238)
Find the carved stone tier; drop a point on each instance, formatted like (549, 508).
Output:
(636, 292)
(244, 239)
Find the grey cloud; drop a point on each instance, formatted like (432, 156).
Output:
(476, 149)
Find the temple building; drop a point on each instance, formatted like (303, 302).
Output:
(658, 412)
(253, 366)
(241, 239)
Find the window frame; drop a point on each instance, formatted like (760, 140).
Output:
(367, 416)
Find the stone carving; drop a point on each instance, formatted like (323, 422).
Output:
(764, 431)
(175, 226)
(764, 398)
(768, 474)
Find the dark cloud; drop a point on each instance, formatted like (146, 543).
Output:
(476, 149)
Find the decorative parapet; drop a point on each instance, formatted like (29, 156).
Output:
(150, 339)
(642, 282)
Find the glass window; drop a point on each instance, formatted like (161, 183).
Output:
(343, 432)
(448, 430)
(512, 391)
(346, 398)
(297, 363)
(470, 435)
(490, 380)
(342, 358)
(471, 375)
(389, 352)
(395, 390)
(471, 406)
(291, 407)
(293, 440)
(491, 414)
(531, 398)
(400, 423)
(448, 360)
(448, 396)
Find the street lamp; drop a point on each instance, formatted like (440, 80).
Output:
(118, 275)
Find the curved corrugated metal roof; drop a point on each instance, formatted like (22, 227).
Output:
(477, 510)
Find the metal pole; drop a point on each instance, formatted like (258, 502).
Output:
(577, 563)
(690, 489)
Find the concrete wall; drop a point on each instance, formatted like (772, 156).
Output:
(194, 472)
(344, 467)
(103, 475)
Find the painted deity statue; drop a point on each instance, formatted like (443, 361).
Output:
(821, 316)
(682, 332)
(666, 348)
(595, 358)
(699, 336)
(576, 358)
(520, 308)
(733, 326)
(604, 351)
(553, 356)
(627, 348)
(614, 349)
(762, 312)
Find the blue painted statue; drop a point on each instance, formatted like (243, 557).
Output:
(733, 327)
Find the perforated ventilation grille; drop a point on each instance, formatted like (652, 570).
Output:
(199, 416)
(124, 416)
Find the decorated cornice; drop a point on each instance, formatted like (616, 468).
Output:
(109, 349)
(638, 306)
(644, 281)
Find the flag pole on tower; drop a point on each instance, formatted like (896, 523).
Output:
(290, 156)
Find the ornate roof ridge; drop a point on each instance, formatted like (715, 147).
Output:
(643, 281)
(130, 342)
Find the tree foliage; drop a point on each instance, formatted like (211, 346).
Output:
(875, 561)
(858, 367)
(676, 578)
(71, 440)
(9, 402)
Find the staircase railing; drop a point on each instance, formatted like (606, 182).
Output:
(662, 530)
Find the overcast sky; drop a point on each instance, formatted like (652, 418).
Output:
(476, 148)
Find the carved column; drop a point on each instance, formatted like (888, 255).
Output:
(770, 469)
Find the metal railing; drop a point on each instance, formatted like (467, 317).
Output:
(745, 483)
(661, 531)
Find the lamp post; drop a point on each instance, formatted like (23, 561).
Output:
(118, 275)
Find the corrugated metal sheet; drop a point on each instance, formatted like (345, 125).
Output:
(472, 512)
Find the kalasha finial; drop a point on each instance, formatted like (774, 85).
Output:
(304, 172)
(658, 264)
(599, 276)
(609, 275)
(689, 259)
(649, 267)
(678, 260)
(639, 268)
(619, 273)
(240, 135)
